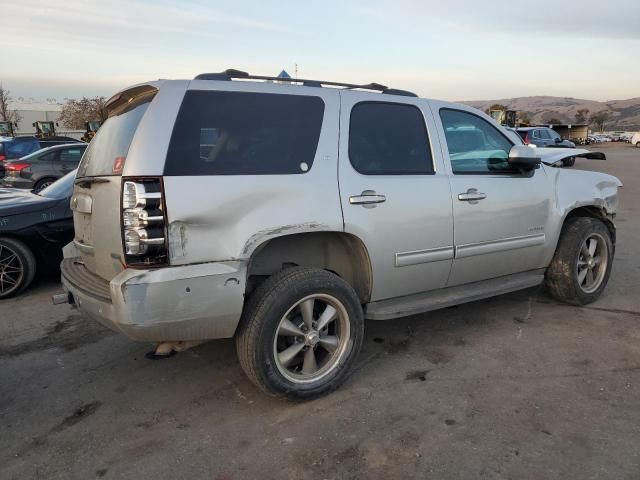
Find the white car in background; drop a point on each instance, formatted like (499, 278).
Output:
(635, 140)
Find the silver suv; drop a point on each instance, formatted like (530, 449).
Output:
(284, 214)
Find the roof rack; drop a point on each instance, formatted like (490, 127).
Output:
(230, 74)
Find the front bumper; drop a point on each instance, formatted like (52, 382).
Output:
(192, 302)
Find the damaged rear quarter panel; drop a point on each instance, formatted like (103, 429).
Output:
(228, 218)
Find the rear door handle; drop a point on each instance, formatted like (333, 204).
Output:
(472, 196)
(368, 199)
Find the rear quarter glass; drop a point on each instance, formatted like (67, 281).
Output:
(241, 133)
(107, 152)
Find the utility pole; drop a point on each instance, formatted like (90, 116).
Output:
(295, 70)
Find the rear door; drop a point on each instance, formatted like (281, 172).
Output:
(501, 215)
(395, 193)
(96, 198)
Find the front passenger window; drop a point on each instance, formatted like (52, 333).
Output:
(475, 146)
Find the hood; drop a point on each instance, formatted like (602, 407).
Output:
(14, 201)
(554, 156)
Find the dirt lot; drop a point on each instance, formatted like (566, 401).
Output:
(514, 387)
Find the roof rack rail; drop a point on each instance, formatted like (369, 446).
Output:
(230, 74)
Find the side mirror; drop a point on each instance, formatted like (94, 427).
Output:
(558, 140)
(524, 157)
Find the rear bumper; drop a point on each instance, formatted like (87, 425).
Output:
(17, 182)
(194, 302)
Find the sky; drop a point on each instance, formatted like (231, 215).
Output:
(450, 50)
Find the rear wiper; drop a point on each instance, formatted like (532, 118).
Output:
(86, 182)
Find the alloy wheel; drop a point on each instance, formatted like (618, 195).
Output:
(592, 262)
(311, 338)
(11, 270)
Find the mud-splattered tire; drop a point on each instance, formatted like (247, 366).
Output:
(17, 267)
(300, 333)
(581, 266)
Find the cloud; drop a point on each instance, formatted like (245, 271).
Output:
(116, 22)
(615, 19)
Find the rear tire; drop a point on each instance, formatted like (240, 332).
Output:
(17, 267)
(300, 333)
(43, 183)
(581, 266)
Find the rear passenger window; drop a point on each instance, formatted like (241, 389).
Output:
(71, 155)
(238, 133)
(389, 139)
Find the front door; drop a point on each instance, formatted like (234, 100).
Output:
(395, 193)
(500, 214)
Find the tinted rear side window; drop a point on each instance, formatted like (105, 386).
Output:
(238, 133)
(389, 139)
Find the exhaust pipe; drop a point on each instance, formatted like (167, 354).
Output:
(61, 298)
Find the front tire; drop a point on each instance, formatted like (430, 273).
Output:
(17, 267)
(581, 266)
(300, 333)
(42, 184)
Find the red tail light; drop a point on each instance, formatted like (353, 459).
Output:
(526, 139)
(2, 157)
(16, 167)
(144, 222)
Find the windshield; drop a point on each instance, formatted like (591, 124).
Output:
(60, 189)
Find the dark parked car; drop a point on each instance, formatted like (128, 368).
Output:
(33, 230)
(40, 169)
(17, 147)
(543, 137)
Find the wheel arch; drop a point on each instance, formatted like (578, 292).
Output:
(593, 211)
(338, 252)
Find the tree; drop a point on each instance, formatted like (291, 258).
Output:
(599, 119)
(75, 113)
(6, 114)
(582, 115)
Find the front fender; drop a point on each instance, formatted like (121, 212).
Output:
(579, 188)
(574, 189)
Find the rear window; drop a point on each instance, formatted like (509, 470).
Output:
(107, 152)
(239, 133)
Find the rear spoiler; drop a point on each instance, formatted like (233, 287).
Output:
(555, 156)
(119, 102)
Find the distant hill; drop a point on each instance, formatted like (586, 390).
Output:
(623, 114)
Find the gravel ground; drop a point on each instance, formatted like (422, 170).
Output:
(513, 387)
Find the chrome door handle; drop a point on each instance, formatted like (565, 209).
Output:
(367, 198)
(472, 196)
